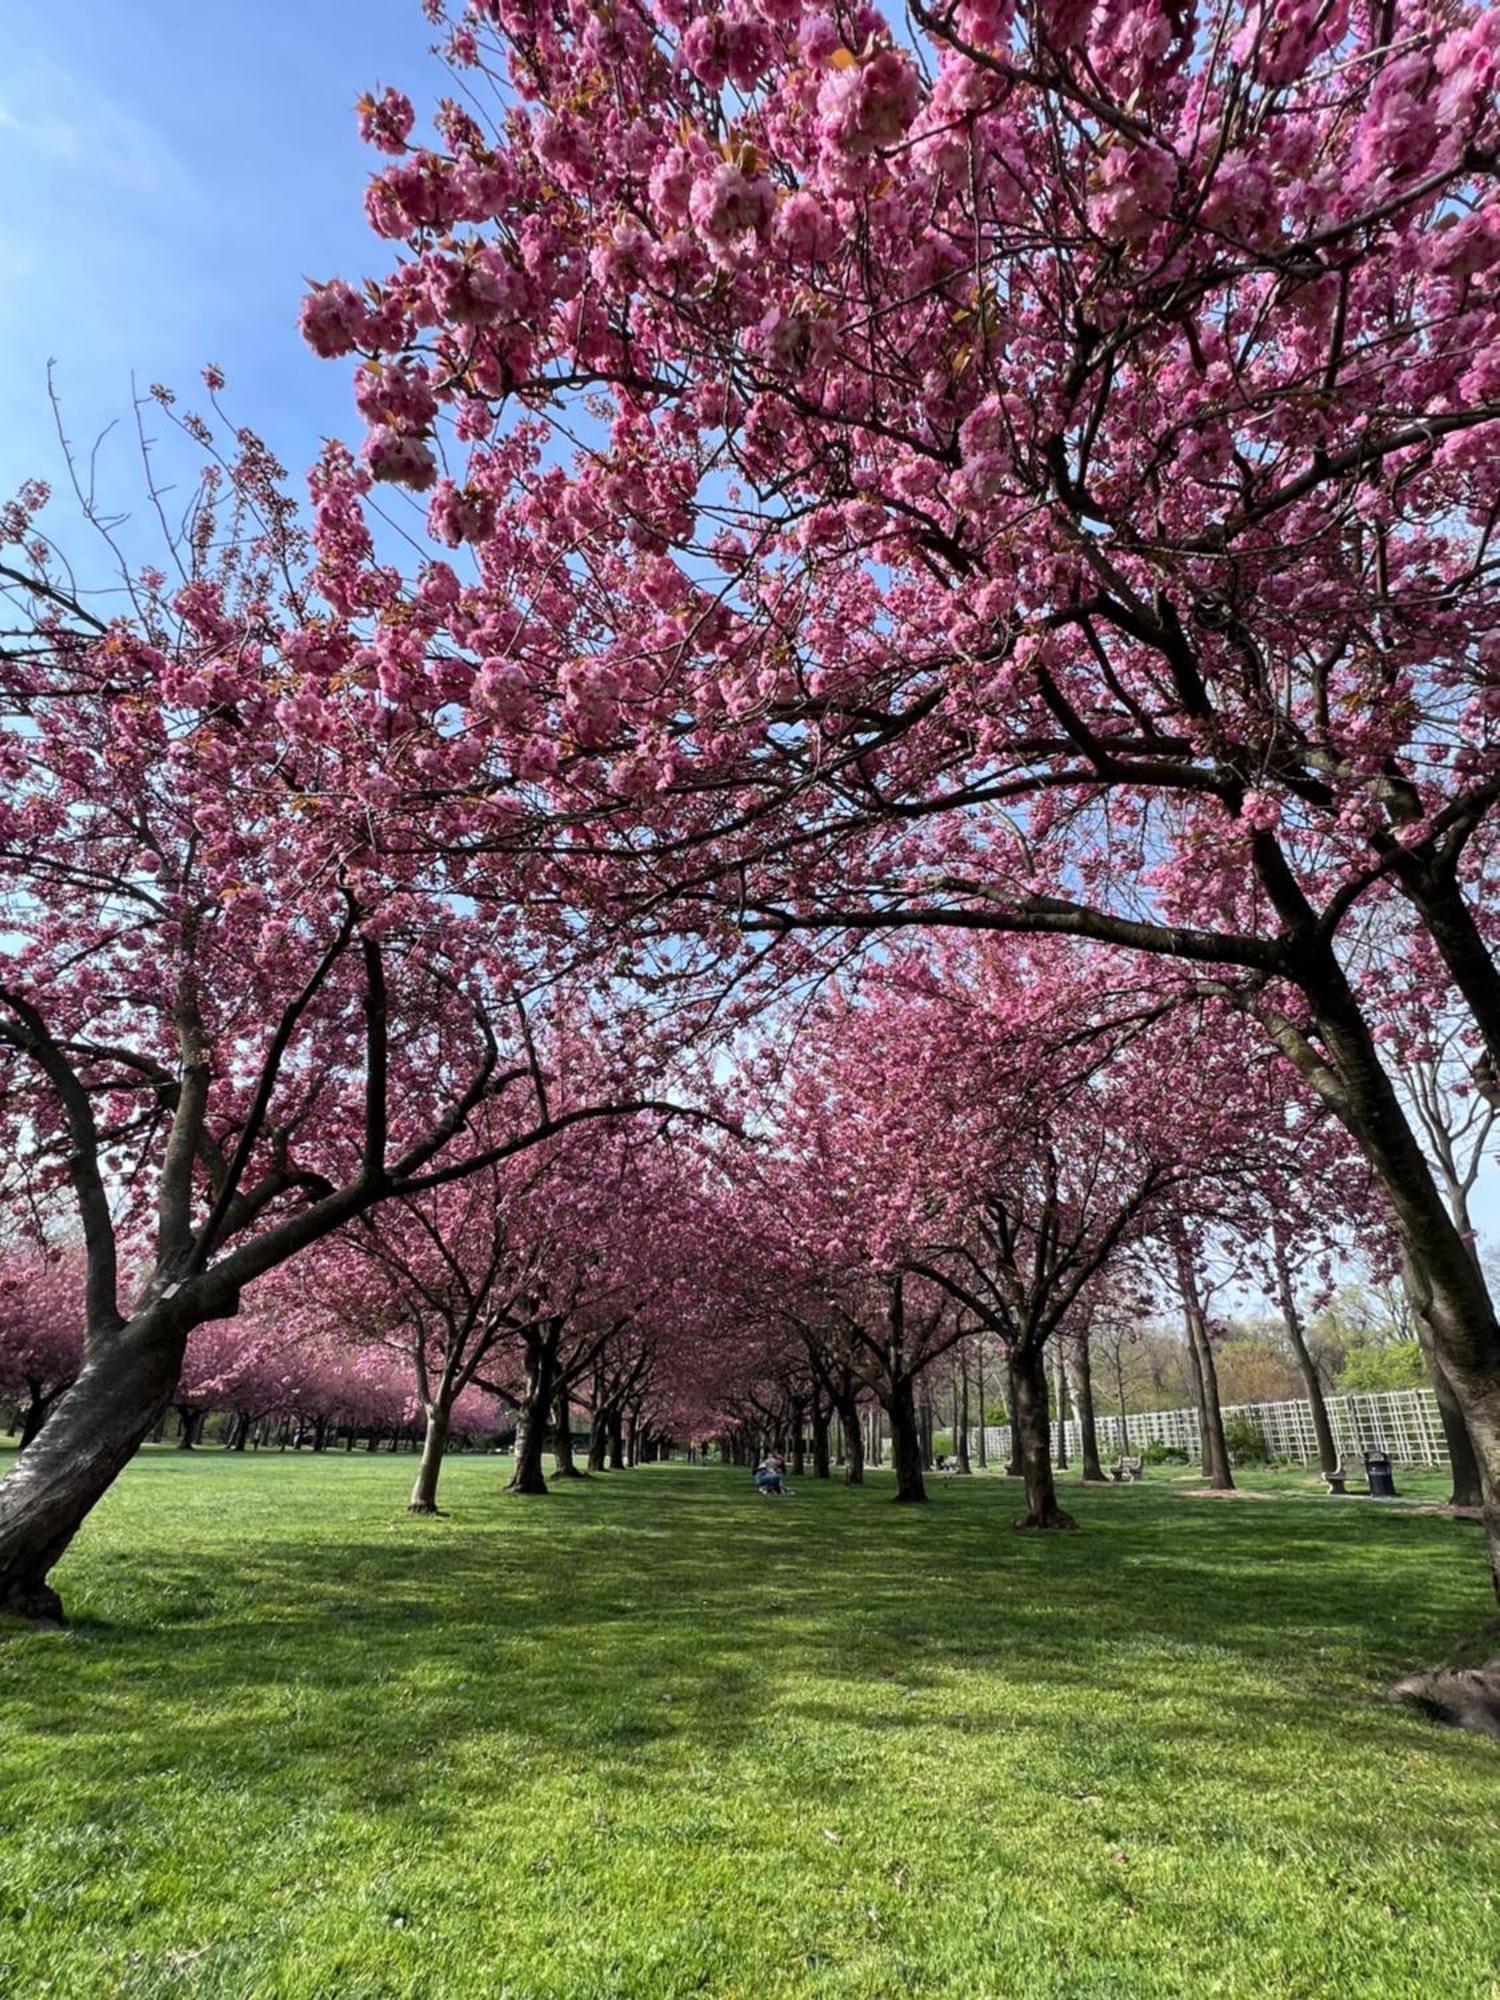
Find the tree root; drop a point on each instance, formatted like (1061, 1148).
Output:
(1055, 1517)
(1460, 1697)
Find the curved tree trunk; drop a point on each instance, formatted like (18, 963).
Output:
(906, 1440)
(1028, 1384)
(562, 1438)
(434, 1444)
(125, 1386)
(533, 1421)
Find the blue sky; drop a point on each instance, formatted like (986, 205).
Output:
(174, 170)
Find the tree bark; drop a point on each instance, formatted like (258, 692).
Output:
(434, 1444)
(1028, 1388)
(1014, 1466)
(961, 1415)
(982, 1441)
(1060, 1375)
(125, 1386)
(598, 1439)
(852, 1427)
(818, 1416)
(533, 1420)
(616, 1440)
(1307, 1368)
(562, 1438)
(1216, 1470)
(799, 1445)
(906, 1440)
(1083, 1403)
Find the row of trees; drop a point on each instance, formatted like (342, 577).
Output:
(1021, 477)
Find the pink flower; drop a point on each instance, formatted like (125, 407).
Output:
(334, 319)
(399, 459)
(729, 204)
(386, 121)
(867, 107)
(805, 230)
(460, 514)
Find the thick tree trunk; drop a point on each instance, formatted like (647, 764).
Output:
(852, 1428)
(562, 1438)
(906, 1440)
(818, 1416)
(925, 1427)
(1307, 1368)
(616, 1441)
(93, 1432)
(1083, 1403)
(1454, 1302)
(799, 1443)
(1028, 1388)
(1205, 1376)
(533, 1421)
(425, 1488)
(599, 1439)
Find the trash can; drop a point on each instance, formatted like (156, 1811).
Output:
(1378, 1466)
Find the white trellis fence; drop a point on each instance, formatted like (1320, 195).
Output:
(1403, 1422)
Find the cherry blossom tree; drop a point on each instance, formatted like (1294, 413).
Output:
(41, 1330)
(242, 1004)
(1046, 483)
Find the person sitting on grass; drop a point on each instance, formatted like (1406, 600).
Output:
(768, 1477)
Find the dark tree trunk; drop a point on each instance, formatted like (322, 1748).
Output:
(924, 1433)
(1060, 1376)
(984, 1452)
(562, 1437)
(93, 1432)
(242, 1434)
(1205, 1373)
(799, 1446)
(1463, 1461)
(598, 1439)
(533, 1421)
(35, 1413)
(906, 1440)
(1015, 1466)
(961, 1414)
(1028, 1387)
(188, 1421)
(616, 1440)
(425, 1488)
(1307, 1368)
(818, 1416)
(852, 1428)
(1083, 1402)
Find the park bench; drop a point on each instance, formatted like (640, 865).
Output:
(1127, 1470)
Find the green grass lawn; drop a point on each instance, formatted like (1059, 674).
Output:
(655, 1736)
